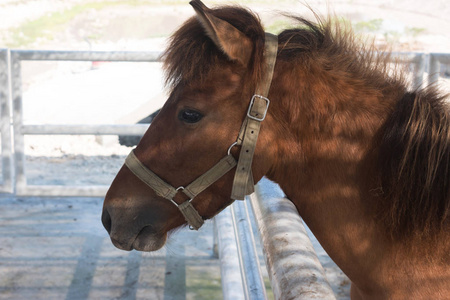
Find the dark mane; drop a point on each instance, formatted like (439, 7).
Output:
(191, 53)
(415, 163)
(334, 45)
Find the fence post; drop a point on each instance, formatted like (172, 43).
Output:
(19, 147)
(420, 61)
(5, 122)
(433, 75)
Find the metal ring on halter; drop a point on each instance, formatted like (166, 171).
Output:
(180, 188)
(229, 149)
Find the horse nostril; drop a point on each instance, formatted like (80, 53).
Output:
(106, 220)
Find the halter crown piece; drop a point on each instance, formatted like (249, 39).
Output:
(243, 179)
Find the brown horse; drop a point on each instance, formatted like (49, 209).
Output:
(365, 161)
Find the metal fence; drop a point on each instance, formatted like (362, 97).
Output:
(292, 276)
(20, 130)
(11, 110)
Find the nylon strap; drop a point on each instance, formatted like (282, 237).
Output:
(243, 180)
(167, 191)
(160, 187)
(212, 175)
(191, 215)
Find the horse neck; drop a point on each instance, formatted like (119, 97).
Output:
(329, 120)
(326, 129)
(323, 162)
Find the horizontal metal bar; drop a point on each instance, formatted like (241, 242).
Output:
(86, 55)
(292, 263)
(443, 58)
(412, 57)
(59, 129)
(61, 191)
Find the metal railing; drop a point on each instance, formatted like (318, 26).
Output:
(20, 130)
(13, 129)
(436, 59)
(292, 263)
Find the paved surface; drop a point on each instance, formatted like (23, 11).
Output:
(57, 249)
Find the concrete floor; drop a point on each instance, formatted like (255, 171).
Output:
(56, 248)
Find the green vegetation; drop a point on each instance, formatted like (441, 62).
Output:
(373, 25)
(48, 25)
(414, 31)
(392, 37)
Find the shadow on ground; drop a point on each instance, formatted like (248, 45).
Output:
(56, 248)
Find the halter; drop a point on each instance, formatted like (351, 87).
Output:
(243, 179)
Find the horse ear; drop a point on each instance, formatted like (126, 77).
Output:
(235, 44)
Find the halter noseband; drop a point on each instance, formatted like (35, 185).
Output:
(243, 180)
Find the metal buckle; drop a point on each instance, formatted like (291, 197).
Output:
(251, 105)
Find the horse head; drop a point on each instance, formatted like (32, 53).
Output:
(213, 65)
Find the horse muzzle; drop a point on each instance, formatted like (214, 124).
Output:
(127, 238)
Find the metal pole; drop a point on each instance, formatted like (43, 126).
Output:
(5, 122)
(436, 59)
(19, 147)
(232, 285)
(420, 62)
(62, 191)
(433, 75)
(87, 55)
(292, 263)
(81, 129)
(254, 287)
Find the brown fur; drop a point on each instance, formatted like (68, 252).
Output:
(414, 151)
(365, 161)
(414, 147)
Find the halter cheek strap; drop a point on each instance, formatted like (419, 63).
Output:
(168, 192)
(243, 180)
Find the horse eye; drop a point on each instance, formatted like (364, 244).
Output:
(190, 116)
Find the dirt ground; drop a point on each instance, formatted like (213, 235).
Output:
(56, 248)
(408, 25)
